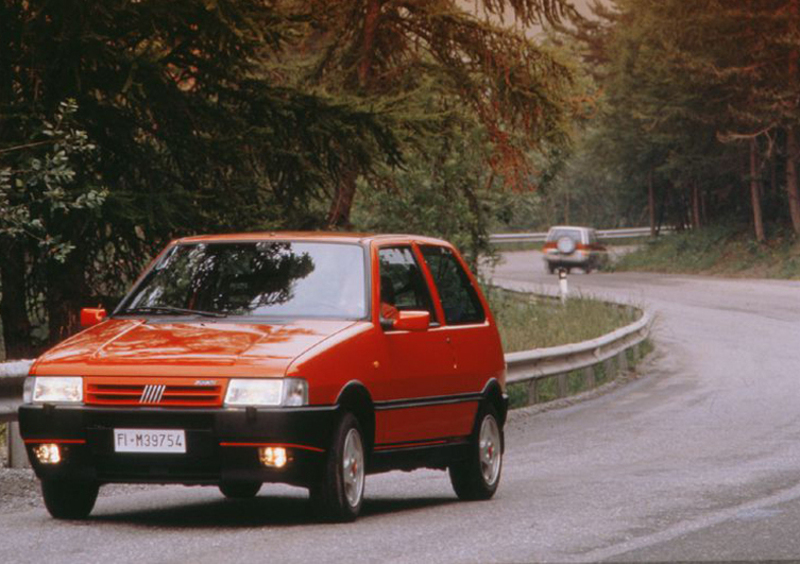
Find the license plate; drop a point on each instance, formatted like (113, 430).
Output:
(150, 440)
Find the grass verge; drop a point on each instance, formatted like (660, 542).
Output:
(721, 250)
(527, 321)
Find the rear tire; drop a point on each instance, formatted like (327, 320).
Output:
(69, 499)
(240, 490)
(340, 493)
(477, 477)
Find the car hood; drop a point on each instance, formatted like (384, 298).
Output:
(135, 347)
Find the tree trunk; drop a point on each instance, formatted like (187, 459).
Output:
(755, 199)
(696, 220)
(651, 204)
(791, 179)
(342, 205)
(339, 212)
(67, 293)
(704, 208)
(662, 209)
(791, 140)
(368, 42)
(16, 323)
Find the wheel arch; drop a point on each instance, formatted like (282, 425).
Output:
(493, 394)
(355, 397)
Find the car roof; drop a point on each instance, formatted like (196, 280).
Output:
(323, 236)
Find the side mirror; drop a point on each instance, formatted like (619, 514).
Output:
(412, 321)
(92, 316)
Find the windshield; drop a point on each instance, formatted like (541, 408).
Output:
(267, 278)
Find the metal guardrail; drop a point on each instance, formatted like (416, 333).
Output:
(12, 377)
(607, 234)
(523, 367)
(531, 367)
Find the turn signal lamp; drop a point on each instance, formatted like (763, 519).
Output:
(47, 453)
(274, 457)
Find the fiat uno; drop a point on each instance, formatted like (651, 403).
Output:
(301, 358)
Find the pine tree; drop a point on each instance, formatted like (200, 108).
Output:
(191, 133)
(400, 50)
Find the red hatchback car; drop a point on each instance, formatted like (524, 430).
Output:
(303, 358)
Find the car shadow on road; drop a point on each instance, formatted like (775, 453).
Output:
(273, 511)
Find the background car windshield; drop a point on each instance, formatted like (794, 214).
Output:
(268, 278)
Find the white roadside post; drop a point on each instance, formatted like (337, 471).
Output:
(563, 288)
(17, 457)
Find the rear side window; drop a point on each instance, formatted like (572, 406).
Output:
(402, 284)
(459, 300)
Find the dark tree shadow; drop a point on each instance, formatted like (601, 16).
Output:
(263, 510)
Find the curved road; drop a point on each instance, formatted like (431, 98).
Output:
(698, 460)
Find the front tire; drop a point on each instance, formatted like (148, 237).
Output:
(69, 499)
(239, 490)
(477, 477)
(340, 493)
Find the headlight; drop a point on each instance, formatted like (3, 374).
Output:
(275, 391)
(56, 389)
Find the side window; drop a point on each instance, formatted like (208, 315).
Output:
(402, 286)
(459, 300)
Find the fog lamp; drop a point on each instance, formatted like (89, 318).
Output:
(47, 453)
(274, 457)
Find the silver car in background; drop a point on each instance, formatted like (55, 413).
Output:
(569, 246)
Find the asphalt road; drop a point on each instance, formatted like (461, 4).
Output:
(697, 460)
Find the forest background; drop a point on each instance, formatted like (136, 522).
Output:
(127, 123)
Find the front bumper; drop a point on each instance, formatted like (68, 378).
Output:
(221, 444)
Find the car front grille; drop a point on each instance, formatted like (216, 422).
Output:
(154, 392)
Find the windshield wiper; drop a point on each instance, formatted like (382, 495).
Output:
(170, 309)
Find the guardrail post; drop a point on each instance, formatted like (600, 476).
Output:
(610, 368)
(588, 377)
(635, 353)
(562, 385)
(17, 457)
(533, 392)
(622, 361)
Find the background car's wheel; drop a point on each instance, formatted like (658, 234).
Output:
(478, 476)
(551, 267)
(69, 499)
(239, 490)
(340, 493)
